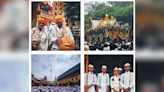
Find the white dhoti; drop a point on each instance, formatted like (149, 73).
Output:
(90, 78)
(103, 88)
(91, 89)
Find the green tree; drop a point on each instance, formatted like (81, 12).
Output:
(72, 10)
(122, 11)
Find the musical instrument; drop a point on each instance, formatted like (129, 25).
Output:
(35, 40)
(65, 42)
(35, 45)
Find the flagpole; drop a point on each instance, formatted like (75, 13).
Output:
(50, 65)
(51, 72)
(87, 62)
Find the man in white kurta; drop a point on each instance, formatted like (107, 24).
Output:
(120, 73)
(58, 32)
(127, 79)
(115, 81)
(41, 36)
(50, 28)
(90, 79)
(103, 80)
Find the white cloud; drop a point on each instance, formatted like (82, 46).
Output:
(42, 64)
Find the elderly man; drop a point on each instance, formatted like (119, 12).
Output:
(103, 80)
(90, 80)
(115, 81)
(40, 35)
(127, 79)
(60, 29)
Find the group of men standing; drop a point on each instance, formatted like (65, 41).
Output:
(46, 37)
(118, 82)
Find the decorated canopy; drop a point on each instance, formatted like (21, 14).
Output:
(103, 22)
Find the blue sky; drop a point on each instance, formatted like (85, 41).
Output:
(14, 75)
(42, 64)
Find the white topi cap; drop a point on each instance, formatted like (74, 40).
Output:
(85, 43)
(107, 43)
(120, 69)
(115, 68)
(52, 23)
(90, 65)
(127, 64)
(126, 24)
(34, 28)
(104, 66)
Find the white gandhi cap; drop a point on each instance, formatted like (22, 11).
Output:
(90, 66)
(85, 43)
(104, 66)
(115, 69)
(127, 64)
(34, 28)
(52, 23)
(120, 69)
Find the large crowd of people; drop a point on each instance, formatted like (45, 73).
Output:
(53, 36)
(73, 88)
(103, 82)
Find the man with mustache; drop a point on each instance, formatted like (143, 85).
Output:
(59, 30)
(40, 34)
(127, 79)
(90, 79)
(103, 80)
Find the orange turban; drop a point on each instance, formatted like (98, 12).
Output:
(42, 20)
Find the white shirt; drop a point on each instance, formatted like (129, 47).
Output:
(106, 48)
(44, 39)
(103, 81)
(127, 80)
(90, 78)
(115, 82)
(57, 32)
(42, 36)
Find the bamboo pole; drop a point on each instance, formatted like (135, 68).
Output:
(86, 63)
